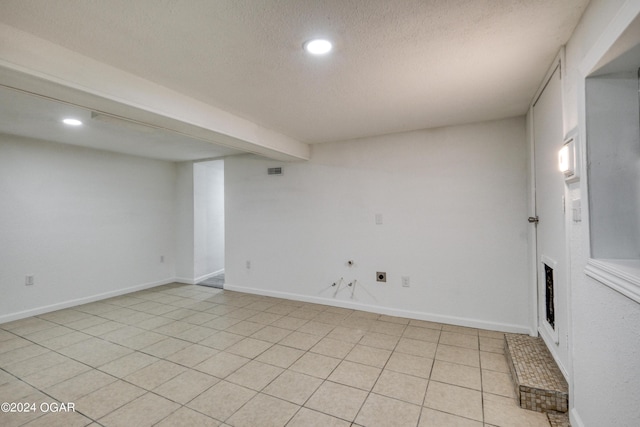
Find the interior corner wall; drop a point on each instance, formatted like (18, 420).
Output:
(184, 230)
(604, 334)
(208, 228)
(453, 204)
(87, 224)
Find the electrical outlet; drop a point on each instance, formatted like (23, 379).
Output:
(406, 282)
(28, 280)
(381, 276)
(248, 265)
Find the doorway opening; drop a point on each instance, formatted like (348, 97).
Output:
(208, 222)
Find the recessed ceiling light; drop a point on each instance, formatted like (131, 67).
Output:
(318, 46)
(72, 122)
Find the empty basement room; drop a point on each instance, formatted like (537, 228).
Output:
(257, 213)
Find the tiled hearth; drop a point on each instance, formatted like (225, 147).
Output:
(539, 384)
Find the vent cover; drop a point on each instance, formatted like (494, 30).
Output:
(274, 171)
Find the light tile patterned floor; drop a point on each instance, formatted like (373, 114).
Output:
(180, 355)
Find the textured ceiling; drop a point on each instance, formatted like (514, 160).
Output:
(397, 65)
(32, 116)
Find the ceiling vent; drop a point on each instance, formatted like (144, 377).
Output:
(274, 171)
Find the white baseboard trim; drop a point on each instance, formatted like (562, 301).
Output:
(197, 280)
(575, 419)
(79, 301)
(418, 315)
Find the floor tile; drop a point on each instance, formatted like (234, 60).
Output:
(401, 386)
(315, 365)
(74, 388)
(128, 364)
(422, 334)
(459, 340)
(394, 319)
(104, 328)
(146, 410)
(166, 347)
(40, 336)
(155, 374)
(293, 387)
(185, 386)
(355, 375)
(332, 347)
(264, 318)
(199, 318)
(380, 411)
(309, 418)
(56, 374)
(433, 418)
(221, 323)
(504, 411)
(369, 356)
(245, 328)
(456, 374)
(454, 400)
(249, 347)
(494, 362)
(197, 334)
(387, 328)
(192, 355)
(316, 328)
(59, 419)
(231, 358)
(29, 366)
(264, 411)
(460, 355)
(221, 400)
(22, 353)
(460, 329)
(492, 345)
(417, 347)
(271, 334)
(222, 364)
(95, 352)
(346, 334)
(425, 324)
(281, 356)
(185, 417)
(255, 375)
(338, 400)
(385, 342)
(65, 340)
(300, 340)
(107, 399)
(15, 389)
(409, 364)
(221, 340)
(498, 383)
(288, 322)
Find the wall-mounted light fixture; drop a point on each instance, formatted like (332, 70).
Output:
(567, 159)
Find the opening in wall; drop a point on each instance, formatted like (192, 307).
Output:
(613, 158)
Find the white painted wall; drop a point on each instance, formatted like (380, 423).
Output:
(184, 205)
(605, 332)
(454, 209)
(208, 227)
(87, 224)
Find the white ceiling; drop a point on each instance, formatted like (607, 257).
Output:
(397, 65)
(32, 116)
